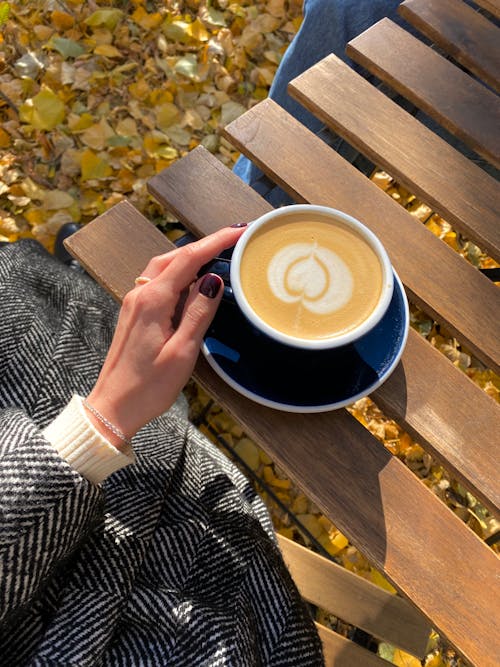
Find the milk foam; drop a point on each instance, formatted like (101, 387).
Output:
(312, 275)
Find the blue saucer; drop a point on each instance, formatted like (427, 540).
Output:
(297, 380)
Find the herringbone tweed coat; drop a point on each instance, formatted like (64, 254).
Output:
(171, 562)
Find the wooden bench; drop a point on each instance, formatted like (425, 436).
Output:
(371, 509)
(114, 248)
(429, 554)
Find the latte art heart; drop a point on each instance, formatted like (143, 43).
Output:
(311, 275)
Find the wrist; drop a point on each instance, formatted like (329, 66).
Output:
(106, 420)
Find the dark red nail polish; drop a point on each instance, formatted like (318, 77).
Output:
(210, 285)
(240, 224)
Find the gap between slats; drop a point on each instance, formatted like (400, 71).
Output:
(457, 189)
(462, 105)
(467, 36)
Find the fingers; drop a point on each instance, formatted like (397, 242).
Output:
(159, 263)
(199, 311)
(186, 262)
(157, 302)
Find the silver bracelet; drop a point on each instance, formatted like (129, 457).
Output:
(107, 423)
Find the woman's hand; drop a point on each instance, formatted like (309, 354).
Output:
(152, 355)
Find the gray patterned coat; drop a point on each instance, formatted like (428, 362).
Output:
(171, 561)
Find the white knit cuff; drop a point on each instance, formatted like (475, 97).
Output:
(80, 444)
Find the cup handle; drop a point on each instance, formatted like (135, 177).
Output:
(219, 265)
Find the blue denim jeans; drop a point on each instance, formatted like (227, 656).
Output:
(327, 27)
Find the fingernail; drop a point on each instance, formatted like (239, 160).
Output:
(240, 224)
(210, 285)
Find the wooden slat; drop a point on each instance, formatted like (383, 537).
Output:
(492, 6)
(461, 32)
(439, 414)
(449, 415)
(194, 186)
(369, 494)
(461, 104)
(429, 269)
(355, 600)
(341, 652)
(465, 195)
(107, 241)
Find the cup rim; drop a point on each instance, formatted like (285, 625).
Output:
(307, 343)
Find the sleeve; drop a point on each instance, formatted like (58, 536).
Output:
(83, 446)
(46, 506)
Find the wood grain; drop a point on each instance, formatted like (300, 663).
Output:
(430, 270)
(369, 494)
(189, 186)
(453, 186)
(463, 33)
(341, 652)
(492, 6)
(104, 247)
(448, 415)
(356, 600)
(458, 102)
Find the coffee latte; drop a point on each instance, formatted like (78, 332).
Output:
(311, 278)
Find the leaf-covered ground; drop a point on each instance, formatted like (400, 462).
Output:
(97, 97)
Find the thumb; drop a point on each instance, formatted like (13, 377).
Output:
(200, 309)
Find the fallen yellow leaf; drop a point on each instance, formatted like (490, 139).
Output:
(381, 581)
(107, 50)
(56, 199)
(105, 17)
(248, 451)
(97, 135)
(145, 20)
(177, 31)
(402, 659)
(44, 111)
(311, 523)
(338, 543)
(139, 89)
(4, 139)
(62, 20)
(156, 146)
(94, 166)
(79, 123)
(198, 32)
(166, 115)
